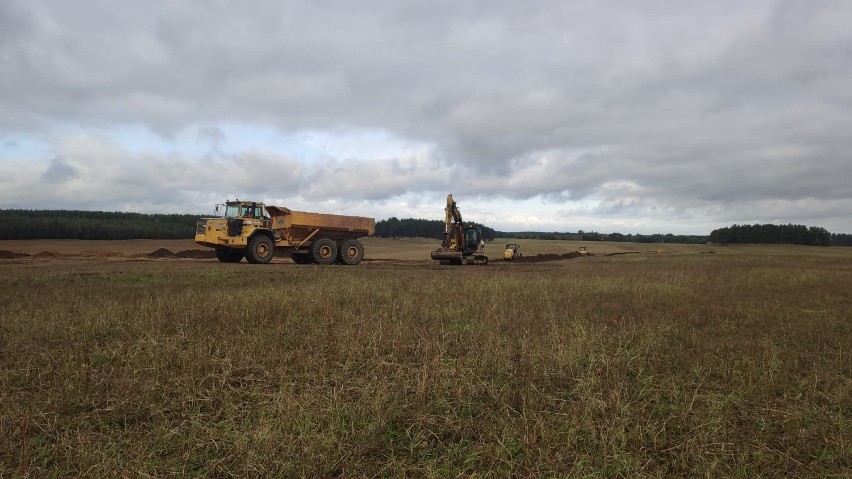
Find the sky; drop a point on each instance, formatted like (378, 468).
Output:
(610, 116)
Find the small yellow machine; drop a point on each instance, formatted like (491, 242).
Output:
(255, 232)
(513, 250)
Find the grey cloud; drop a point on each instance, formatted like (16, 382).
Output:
(211, 134)
(642, 107)
(214, 137)
(59, 171)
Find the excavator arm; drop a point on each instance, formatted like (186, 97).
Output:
(453, 224)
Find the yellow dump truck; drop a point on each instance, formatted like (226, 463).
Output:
(257, 232)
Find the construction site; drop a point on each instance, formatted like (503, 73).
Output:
(300, 345)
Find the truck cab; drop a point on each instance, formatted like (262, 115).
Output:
(243, 230)
(241, 214)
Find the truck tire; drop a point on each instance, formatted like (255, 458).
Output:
(324, 251)
(260, 249)
(351, 252)
(228, 255)
(301, 258)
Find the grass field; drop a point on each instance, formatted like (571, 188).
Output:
(681, 364)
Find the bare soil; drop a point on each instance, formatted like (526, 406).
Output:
(547, 257)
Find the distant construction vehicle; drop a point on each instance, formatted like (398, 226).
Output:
(513, 250)
(256, 232)
(461, 245)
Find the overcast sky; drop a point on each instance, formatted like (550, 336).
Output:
(628, 116)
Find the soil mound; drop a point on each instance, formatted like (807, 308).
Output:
(548, 257)
(162, 253)
(624, 252)
(196, 254)
(47, 254)
(11, 254)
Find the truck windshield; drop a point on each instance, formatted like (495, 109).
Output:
(232, 211)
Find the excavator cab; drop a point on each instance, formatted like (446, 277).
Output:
(472, 237)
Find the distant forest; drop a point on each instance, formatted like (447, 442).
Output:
(102, 225)
(410, 227)
(416, 228)
(736, 234)
(617, 237)
(779, 234)
(93, 225)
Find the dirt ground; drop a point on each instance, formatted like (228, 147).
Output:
(378, 250)
(383, 255)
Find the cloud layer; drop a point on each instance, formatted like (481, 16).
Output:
(592, 115)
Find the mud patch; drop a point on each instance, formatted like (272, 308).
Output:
(47, 254)
(548, 257)
(100, 254)
(197, 254)
(11, 254)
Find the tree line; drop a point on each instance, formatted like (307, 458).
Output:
(93, 225)
(775, 234)
(616, 237)
(841, 239)
(103, 225)
(418, 228)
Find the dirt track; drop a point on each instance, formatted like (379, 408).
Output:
(206, 254)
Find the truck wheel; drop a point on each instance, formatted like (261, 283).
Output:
(351, 252)
(324, 251)
(228, 255)
(301, 258)
(260, 249)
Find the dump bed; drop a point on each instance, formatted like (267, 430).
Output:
(297, 225)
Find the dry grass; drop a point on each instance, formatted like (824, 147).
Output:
(734, 364)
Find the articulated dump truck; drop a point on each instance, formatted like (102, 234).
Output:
(257, 232)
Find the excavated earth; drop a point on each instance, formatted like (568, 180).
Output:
(11, 254)
(547, 257)
(163, 253)
(158, 253)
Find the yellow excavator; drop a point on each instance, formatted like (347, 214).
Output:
(461, 245)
